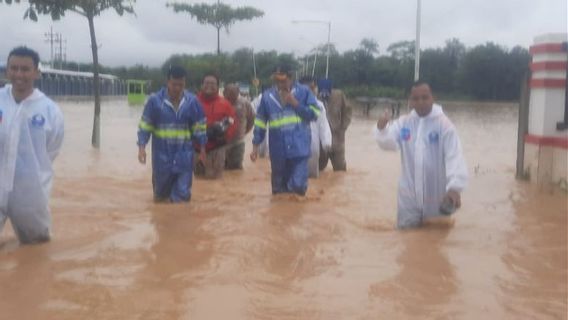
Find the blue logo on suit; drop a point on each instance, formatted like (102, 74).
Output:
(405, 134)
(38, 120)
(433, 137)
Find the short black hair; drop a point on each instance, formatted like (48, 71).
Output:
(210, 74)
(232, 85)
(176, 72)
(284, 68)
(23, 51)
(418, 83)
(307, 80)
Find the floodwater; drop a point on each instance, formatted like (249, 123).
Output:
(236, 252)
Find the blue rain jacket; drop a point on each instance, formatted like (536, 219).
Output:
(288, 127)
(172, 134)
(289, 135)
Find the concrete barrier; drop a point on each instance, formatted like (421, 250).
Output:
(546, 144)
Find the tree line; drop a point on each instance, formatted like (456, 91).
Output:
(484, 72)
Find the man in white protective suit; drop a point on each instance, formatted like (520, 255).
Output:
(31, 135)
(434, 172)
(321, 133)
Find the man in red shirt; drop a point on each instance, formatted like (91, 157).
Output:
(222, 126)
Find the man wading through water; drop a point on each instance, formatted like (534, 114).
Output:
(287, 108)
(173, 118)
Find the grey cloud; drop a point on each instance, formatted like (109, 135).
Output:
(157, 32)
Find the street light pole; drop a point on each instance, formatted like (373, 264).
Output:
(328, 40)
(253, 63)
(328, 49)
(417, 43)
(315, 60)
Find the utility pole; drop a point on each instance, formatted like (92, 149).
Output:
(315, 60)
(50, 37)
(58, 50)
(62, 54)
(417, 43)
(253, 63)
(328, 40)
(55, 38)
(328, 49)
(218, 29)
(255, 81)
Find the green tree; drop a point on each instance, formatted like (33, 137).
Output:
(243, 67)
(386, 71)
(370, 46)
(484, 70)
(402, 51)
(492, 72)
(455, 52)
(321, 52)
(230, 68)
(516, 66)
(218, 15)
(437, 70)
(88, 9)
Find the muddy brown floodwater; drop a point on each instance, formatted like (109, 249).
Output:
(236, 252)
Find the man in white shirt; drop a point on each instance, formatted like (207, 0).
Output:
(321, 133)
(263, 147)
(31, 135)
(433, 168)
(245, 117)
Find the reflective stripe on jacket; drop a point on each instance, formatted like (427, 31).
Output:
(172, 131)
(288, 126)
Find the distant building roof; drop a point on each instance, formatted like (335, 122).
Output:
(48, 70)
(45, 69)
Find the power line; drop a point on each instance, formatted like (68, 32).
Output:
(58, 47)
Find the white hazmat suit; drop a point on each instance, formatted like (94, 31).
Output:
(432, 163)
(321, 135)
(31, 135)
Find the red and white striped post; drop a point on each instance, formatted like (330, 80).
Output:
(546, 144)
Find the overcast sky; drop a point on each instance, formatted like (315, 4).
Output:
(156, 32)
